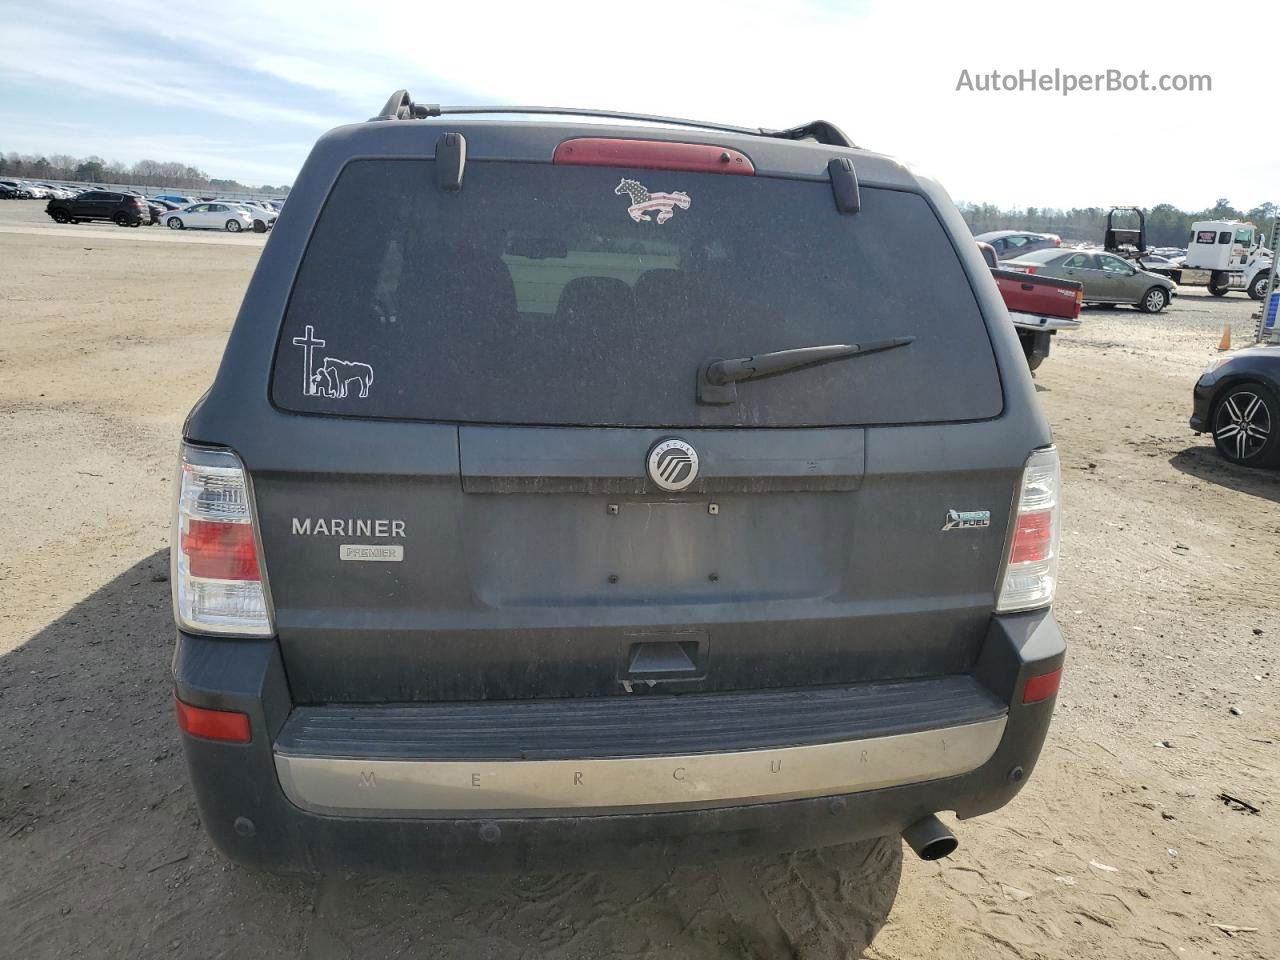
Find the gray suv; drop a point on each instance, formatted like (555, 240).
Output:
(575, 494)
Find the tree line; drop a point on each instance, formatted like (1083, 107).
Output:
(144, 173)
(1167, 226)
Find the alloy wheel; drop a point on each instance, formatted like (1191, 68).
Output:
(1244, 425)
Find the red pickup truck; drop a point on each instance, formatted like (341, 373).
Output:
(1039, 306)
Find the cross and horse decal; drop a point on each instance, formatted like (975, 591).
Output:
(334, 378)
(643, 202)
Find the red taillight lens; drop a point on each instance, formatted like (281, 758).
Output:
(1032, 537)
(225, 551)
(1030, 574)
(218, 577)
(653, 155)
(1029, 269)
(1042, 687)
(226, 725)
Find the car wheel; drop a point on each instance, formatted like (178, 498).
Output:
(1258, 288)
(175, 223)
(1218, 291)
(259, 227)
(233, 226)
(1154, 300)
(121, 220)
(60, 216)
(1246, 425)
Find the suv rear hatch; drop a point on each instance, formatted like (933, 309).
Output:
(480, 374)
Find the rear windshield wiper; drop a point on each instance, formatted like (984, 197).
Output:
(717, 378)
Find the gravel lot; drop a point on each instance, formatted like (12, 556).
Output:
(1118, 848)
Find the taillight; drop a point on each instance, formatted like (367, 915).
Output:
(223, 551)
(1080, 297)
(1030, 574)
(217, 577)
(653, 155)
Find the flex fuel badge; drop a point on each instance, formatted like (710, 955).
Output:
(967, 519)
(643, 202)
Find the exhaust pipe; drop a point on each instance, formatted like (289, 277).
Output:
(930, 839)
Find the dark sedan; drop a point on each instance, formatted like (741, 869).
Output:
(1237, 399)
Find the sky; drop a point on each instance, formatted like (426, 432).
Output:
(243, 88)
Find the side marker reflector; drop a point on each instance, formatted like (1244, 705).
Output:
(226, 725)
(1042, 687)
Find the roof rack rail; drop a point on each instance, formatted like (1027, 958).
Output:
(401, 107)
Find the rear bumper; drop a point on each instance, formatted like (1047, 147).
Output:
(1034, 322)
(290, 799)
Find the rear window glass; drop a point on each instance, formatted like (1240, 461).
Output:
(542, 294)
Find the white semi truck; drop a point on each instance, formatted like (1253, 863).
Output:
(1226, 255)
(1222, 255)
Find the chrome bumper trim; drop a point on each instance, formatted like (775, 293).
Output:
(442, 789)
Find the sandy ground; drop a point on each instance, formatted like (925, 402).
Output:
(1118, 848)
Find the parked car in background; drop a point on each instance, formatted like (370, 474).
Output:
(120, 208)
(263, 218)
(209, 216)
(176, 199)
(1013, 243)
(1038, 306)
(1107, 279)
(8, 192)
(1237, 400)
(1154, 263)
(19, 190)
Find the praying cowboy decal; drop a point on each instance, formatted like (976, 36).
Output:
(333, 378)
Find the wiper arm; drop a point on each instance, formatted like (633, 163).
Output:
(717, 378)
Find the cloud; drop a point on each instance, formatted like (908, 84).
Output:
(156, 79)
(885, 72)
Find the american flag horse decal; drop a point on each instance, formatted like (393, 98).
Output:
(643, 202)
